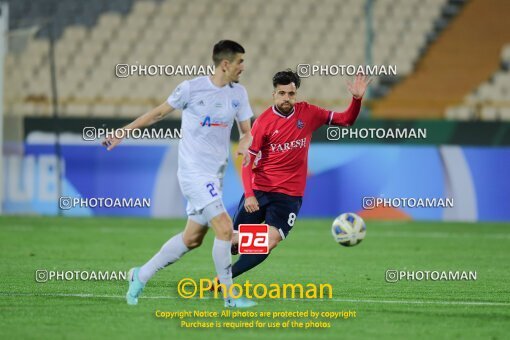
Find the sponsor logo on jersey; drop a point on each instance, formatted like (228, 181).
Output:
(283, 147)
(208, 122)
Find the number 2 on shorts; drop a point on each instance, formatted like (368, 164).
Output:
(212, 190)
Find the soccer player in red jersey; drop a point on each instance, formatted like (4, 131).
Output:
(274, 179)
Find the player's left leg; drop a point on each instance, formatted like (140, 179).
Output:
(169, 253)
(281, 213)
(248, 261)
(174, 248)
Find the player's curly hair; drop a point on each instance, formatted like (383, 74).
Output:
(286, 77)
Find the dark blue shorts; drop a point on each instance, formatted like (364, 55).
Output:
(276, 209)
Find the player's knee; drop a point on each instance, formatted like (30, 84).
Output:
(235, 237)
(274, 237)
(224, 233)
(192, 241)
(193, 244)
(273, 243)
(222, 225)
(223, 230)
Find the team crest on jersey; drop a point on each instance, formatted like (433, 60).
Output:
(300, 124)
(235, 103)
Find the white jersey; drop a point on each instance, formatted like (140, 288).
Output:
(208, 113)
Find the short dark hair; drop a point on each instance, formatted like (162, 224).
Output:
(286, 77)
(225, 49)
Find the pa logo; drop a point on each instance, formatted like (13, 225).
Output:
(253, 239)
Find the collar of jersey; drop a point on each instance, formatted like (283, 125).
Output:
(215, 86)
(275, 111)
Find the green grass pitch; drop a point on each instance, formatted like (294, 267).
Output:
(408, 309)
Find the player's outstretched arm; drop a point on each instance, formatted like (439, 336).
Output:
(244, 140)
(147, 119)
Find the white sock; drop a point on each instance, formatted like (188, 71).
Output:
(171, 251)
(223, 261)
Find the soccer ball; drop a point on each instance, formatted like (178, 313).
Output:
(348, 229)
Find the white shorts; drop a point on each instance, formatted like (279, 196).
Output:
(200, 192)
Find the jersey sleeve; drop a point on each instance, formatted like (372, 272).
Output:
(246, 175)
(244, 112)
(257, 133)
(347, 117)
(320, 116)
(179, 99)
(326, 117)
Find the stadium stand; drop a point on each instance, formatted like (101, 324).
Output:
(465, 55)
(93, 36)
(489, 101)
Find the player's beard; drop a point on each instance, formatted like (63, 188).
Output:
(285, 109)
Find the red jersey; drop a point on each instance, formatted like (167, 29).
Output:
(280, 144)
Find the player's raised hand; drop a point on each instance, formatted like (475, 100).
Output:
(359, 86)
(251, 204)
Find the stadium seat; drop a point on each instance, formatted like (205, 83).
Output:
(492, 96)
(93, 38)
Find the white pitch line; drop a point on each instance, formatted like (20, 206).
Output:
(397, 302)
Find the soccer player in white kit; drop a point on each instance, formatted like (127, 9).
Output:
(209, 107)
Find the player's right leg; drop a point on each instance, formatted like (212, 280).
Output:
(243, 217)
(222, 226)
(205, 203)
(169, 253)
